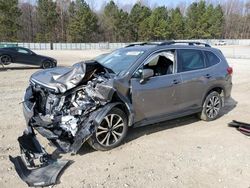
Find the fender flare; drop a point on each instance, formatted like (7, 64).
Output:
(98, 119)
(210, 89)
(105, 110)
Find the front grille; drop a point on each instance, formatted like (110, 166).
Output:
(40, 95)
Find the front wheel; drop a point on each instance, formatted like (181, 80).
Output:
(5, 59)
(48, 64)
(211, 107)
(111, 131)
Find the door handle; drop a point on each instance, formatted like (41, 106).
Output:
(208, 76)
(176, 82)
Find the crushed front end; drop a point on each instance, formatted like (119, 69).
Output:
(60, 104)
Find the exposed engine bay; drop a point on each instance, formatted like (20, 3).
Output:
(64, 105)
(58, 114)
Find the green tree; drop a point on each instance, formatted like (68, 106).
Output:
(194, 18)
(138, 20)
(216, 22)
(176, 24)
(204, 21)
(82, 23)
(121, 25)
(156, 26)
(47, 19)
(109, 21)
(9, 25)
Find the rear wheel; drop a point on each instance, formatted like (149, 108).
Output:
(5, 59)
(111, 131)
(211, 107)
(48, 64)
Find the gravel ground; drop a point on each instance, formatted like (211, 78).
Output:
(180, 153)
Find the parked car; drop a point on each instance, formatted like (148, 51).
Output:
(25, 56)
(221, 43)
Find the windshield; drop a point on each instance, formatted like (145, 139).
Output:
(120, 60)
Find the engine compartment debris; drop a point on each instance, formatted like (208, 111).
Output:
(244, 128)
(64, 106)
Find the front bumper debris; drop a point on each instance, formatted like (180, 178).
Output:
(36, 167)
(244, 128)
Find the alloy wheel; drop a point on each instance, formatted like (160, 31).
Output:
(110, 130)
(213, 107)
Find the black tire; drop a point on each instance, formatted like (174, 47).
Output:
(117, 135)
(5, 59)
(48, 64)
(211, 107)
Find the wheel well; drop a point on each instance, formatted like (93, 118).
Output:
(122, 106)
(220, 90)
(217, 89)
(7, 55)
(46, 60)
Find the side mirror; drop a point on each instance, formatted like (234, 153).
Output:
(146, 74)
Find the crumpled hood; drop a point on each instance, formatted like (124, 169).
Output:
(61, 79)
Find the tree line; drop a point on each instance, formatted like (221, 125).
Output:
(76, 21)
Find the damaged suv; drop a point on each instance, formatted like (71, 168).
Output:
(96, 101)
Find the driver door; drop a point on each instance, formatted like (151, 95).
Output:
(24, 56)
(159, 95)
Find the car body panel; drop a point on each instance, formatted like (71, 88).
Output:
(157, 96)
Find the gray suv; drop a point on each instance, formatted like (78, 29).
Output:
(144, 83)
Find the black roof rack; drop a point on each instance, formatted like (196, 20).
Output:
(191, 43)
(163, 43)
(143, 43)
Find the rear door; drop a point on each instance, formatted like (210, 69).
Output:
(195, 78)
(159, 95)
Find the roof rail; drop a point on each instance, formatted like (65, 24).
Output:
(142, 43)
(191, 43)
(170, 42)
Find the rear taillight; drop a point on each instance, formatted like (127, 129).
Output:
(230, 70)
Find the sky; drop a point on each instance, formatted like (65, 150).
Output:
(127, 4)
(97, 4)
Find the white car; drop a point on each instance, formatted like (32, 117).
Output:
(221, 43)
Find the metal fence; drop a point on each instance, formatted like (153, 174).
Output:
(105, 45)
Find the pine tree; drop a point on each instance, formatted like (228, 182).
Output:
(47, 20)
(83, 22)
(157, 25)
(9, 25)
(176, 24)
(138, 14)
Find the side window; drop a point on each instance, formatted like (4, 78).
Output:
(190, 60)
(212, 59)
(161, 63)
(23, 51)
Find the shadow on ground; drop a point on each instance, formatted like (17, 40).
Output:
(18, 68)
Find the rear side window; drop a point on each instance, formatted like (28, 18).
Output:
(189, 60)
(212, 59)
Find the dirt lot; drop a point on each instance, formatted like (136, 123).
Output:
(179, 153)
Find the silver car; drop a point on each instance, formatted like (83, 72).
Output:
(141, 84)
(96, 101)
